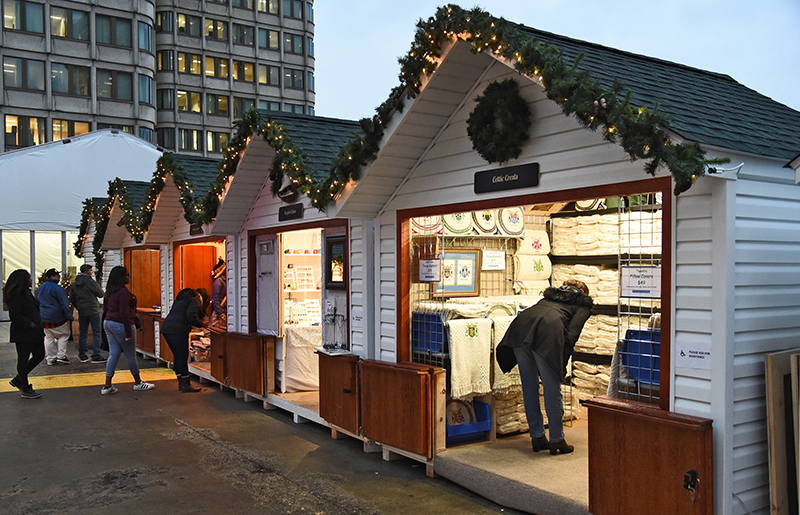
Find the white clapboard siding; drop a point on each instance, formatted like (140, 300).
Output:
(766, 316)
(242, 294)
(386, 296)
(361, 277)
(168, 208)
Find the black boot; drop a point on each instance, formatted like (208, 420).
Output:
(563, 447)
(540, 443)
(185, 385)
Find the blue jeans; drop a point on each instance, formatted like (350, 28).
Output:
(117, 344)
(83, 323)
(531, 367)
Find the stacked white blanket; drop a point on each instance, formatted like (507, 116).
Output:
(603, 282)
(586, 235)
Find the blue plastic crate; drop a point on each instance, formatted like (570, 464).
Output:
(428, 333)
(641, 355)
(474, 432)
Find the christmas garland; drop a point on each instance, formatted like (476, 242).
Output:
(640, 131)
(499, 123)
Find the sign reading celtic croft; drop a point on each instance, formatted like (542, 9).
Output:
(513, 177)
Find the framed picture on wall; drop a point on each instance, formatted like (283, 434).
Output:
(335, 263)
(459, 273)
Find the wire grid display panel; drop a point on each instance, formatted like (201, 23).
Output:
(640, 316)
(429, 338)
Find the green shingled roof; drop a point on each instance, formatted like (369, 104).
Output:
(706, 107)
(201, 172)
(320, 139)
(137, 192)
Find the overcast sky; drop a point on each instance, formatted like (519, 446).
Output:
(757, 42)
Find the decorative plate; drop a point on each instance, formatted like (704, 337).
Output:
(426, 225)
(590, 204)
(460, 412)
(457, 223)
(511, 221)
(485, 221)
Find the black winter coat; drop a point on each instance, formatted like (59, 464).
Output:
(550, 328)
(184, 314)
(26, 320)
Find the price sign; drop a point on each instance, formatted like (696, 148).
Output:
(642, 282)
(430, 270)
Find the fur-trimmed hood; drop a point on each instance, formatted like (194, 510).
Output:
(568, 295)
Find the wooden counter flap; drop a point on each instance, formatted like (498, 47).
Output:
(641, 409)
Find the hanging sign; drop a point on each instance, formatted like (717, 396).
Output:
(493, 260)
(293, 212)
(641, 282)
(430, 270)
(510, 178)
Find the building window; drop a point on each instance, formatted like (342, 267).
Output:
(145, 89)
(216, 141)
(114, 85)
(190, 139)
(310, 47)
(164, 21)
(311, 110)
(70, 79)
(270, 75)
(268, 6)
(165, 60)
(310, 12)
(21, 15)
(23, 73)
(269, 105)
(216, 29)
(165, 99)
(146, 134)
(217, 104)
(221, 2)
(189, 63)
(245, 4)
(293, 108)
(292, 43)
(189, 25)
(24, 131)
(242, 34)
(241, 106)
(145, 39)
(113, 31)
(243, 71)
(293, 78)
(189, 101)
(310, 81)
(269, 39)
(293, 9)
(123, 128)
(165, 138)
(66, 23)
(216, 67)
(66, 128)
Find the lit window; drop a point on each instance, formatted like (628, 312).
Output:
(165, 60)
(216, 67)
(189, 63)
(268, 6)
(66, 128)
(66, 23)
(189, 139)
(217, 104)
(270, 75)
(216, 141)
(23, 131)
(23, 73)
(216, 29)
(243, 71)
(164, 21)
(245, 4)
(269, 39)
(189, 25)
(21, 15)
(189, 101)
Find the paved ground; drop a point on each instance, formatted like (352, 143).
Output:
(75, 451)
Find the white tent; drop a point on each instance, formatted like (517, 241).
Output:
(44, 189)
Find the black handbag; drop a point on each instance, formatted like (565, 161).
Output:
(104, 337)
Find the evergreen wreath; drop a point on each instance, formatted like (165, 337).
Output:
(498, 126)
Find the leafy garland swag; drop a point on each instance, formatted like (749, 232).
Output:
(641, 132)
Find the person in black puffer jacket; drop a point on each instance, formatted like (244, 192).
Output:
(540, 340)
(27, 331)
(187, 311)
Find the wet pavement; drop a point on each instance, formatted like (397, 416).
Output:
(159, 451)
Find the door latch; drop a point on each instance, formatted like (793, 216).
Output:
(690, 483)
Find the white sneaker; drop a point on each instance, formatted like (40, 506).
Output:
(143, 386)
(108, 390)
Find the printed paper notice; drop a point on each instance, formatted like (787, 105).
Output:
(430, 270)
(493, 260)
(641, 282)
(693, 355)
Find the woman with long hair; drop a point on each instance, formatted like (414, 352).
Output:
(187, 311)
(27, 331)
(119, 310)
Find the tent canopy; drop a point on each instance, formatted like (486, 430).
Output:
(47, 184)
